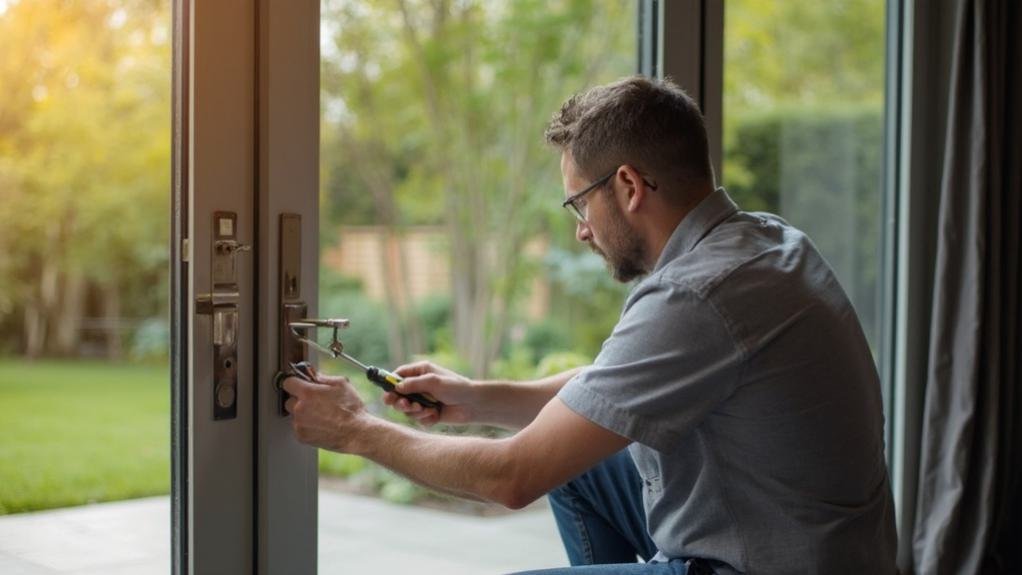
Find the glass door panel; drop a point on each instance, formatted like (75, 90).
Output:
(442, 236)
(803, 130)
(84, 211)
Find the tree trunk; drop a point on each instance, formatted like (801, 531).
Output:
(404, 333)
(112, 313)
(49, 294)
(69, 319)
(414, 338)
(35, 330)
(395, 337)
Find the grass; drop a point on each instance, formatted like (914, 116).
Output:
(74, 432)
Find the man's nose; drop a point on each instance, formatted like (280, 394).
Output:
(582, 232)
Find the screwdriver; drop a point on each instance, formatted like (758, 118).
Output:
(381, 378)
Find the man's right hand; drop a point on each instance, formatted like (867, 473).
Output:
(456, 392)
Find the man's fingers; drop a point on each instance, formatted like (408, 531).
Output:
(415, 410)
(333, 380)
(289, 405)
(415, 368)
(296, 386)
(400, 402)
(426, 383)
(406, 405)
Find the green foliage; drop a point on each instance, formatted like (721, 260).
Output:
(84, 157)
(544, 337)
(369, 477)
(397, 489)
(437, 111)
(366, 338)
(517, 364)
(560, 362)
(340, 464)
(82, 432)
(804, 53)
(589, 300)
(435, 314)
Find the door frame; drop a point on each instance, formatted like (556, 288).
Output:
(684, 40)
(287, 128)
(245, 140)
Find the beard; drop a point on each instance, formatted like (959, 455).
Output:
(624, 251)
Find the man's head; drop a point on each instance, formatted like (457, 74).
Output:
(645, 140)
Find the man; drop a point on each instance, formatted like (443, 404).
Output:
(738, 378)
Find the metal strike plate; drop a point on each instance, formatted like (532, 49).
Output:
(290, 257)
(292, 309)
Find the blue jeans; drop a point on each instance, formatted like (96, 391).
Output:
(603, 523)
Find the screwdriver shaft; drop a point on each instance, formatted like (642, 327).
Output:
(354, 361)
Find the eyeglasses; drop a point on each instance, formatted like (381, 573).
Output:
(576, 203)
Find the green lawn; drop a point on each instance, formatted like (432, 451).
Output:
(74, 432)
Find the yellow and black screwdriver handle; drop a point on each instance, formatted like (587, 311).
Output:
(381, 378)
(387, 381)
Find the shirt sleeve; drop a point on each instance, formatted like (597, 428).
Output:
(670, 361)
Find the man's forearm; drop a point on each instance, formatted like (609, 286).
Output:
(514, 404)
(469, 467)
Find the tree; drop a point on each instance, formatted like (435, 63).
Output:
(84, 178)
(440, 106)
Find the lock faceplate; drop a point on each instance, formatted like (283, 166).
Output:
(222, 305)
(291, 307)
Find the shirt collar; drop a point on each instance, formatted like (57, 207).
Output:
(709, 212)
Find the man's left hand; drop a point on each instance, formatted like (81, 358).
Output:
(326, 413)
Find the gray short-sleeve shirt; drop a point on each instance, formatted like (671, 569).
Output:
(739, 370)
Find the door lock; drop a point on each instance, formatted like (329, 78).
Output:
(222, 305)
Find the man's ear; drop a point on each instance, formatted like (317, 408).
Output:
(635, 187)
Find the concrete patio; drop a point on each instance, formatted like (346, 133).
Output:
(133, 537)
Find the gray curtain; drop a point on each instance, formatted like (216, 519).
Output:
(968, 506)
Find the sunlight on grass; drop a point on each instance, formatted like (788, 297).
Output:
(79, 432)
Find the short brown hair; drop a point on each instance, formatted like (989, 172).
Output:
(652, 125)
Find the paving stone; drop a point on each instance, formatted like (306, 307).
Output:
(356, 535)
